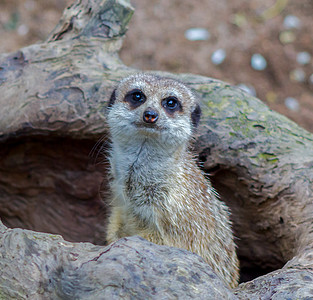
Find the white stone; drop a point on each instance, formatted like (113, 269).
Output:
(292, 21)
(197, 34)
(258, 62)
(303, 58)
(292, 103)
(218, 56)
(22, 30)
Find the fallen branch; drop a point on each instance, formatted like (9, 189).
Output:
(52, 113)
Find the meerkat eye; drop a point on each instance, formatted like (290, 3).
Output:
(171, 104)
(138, 96)
(135, 98)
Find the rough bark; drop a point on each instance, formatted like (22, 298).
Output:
(131, 268)
(53, 98)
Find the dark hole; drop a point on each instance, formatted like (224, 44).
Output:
(50, 184)
(257, 254)
(249, 273)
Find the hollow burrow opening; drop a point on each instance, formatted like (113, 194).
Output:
(257, 246)
(59, 185)
(53, 185)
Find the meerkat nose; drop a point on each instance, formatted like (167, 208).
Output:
(150, 116)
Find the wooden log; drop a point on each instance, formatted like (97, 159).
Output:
(53, 99)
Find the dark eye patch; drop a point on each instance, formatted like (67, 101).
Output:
(171, 104)
(195, 116)
(135, 98)
(112, 98)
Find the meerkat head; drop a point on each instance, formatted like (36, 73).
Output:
(145, 106)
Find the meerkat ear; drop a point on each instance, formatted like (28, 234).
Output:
(112, 98)
(195, 116)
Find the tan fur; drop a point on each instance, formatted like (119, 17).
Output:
(158, 192)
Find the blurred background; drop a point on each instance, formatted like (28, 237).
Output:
(263, 46)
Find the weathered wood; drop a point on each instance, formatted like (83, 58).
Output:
(47, 267)
(52, 113)
(53, 98)
(262, 164)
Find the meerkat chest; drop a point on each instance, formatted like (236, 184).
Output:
(143, 175)
(145, 187)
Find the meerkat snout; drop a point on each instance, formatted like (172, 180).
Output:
(150, 115)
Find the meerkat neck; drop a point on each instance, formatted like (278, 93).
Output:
(147, 155)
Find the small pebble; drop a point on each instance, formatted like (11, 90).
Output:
(258, 62)
(218, 56)
(239, 20)
(247, 88)
(303, 58)
(292, 21)
(271, 97)
(292, 103)
(297, 75)
(22, 30)
(287, 37)
(197, 34)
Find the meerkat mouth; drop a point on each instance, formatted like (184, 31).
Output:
(148, 126)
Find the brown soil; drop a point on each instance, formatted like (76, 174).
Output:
(156, 40)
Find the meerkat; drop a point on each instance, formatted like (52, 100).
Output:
(157, 190)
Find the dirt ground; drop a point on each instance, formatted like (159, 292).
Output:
(280, 30)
